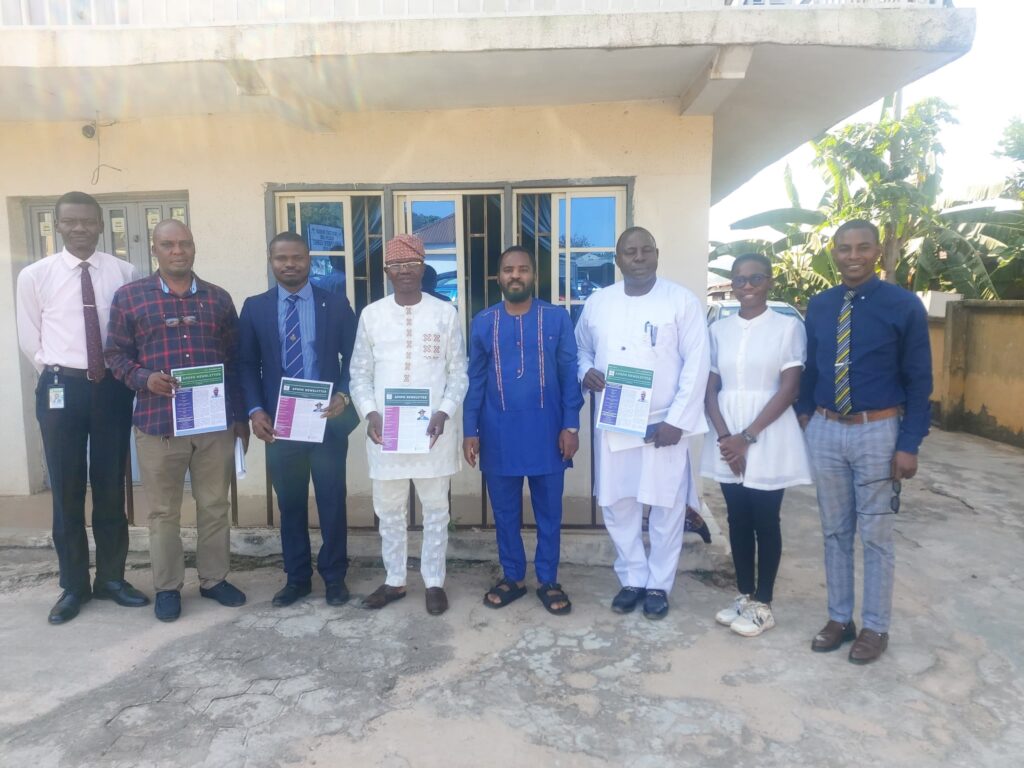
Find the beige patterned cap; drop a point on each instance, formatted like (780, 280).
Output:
(401, 249)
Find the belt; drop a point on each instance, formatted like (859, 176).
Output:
(77, 373)
(861, 417)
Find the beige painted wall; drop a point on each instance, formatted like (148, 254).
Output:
(224, 164)
(937, 341)
(984, 369)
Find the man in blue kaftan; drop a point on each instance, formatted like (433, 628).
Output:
(521, 418)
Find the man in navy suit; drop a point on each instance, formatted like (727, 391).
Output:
(300, 331)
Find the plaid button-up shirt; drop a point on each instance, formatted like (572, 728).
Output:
(152, 329)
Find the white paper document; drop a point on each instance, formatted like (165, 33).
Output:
(406, 418)
(626, 400)
(300, 407)
(239, 459)
(199, 404)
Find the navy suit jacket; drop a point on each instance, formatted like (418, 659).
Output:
(259, 354)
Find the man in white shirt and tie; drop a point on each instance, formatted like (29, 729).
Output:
(84, 413)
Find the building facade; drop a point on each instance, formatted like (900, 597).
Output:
(479, 123)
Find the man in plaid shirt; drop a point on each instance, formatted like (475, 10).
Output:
(172, 319)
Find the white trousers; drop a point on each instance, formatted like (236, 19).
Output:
(391, 504)
(624, 520)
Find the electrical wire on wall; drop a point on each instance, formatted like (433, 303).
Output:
(92, 131)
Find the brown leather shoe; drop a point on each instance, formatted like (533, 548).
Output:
(833, 635)
(437, 601)
(383, 595)
(868, 646)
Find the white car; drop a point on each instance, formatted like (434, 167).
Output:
(719, 309)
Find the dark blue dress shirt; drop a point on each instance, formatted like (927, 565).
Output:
(890, 356)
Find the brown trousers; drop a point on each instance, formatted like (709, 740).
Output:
(163, 461)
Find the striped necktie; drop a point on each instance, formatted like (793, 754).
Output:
(293, 367)
(844, 403)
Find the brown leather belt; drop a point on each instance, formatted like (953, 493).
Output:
(861, 417)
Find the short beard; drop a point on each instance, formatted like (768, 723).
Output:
(516, 296)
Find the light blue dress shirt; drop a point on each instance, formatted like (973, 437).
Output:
(307, 325)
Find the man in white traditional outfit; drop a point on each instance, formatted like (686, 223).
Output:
(646, 322)
(410, 340)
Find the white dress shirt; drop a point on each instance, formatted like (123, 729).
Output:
(51, 322)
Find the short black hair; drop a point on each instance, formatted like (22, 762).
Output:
(760, 258)
(287, 237)
(77, 198)
(858, 224)
(519, 249)
(631, 230)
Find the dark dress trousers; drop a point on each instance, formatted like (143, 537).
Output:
(87, 439)
(291, 464)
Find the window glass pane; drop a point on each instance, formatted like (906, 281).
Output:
(152, 219)
(328, 272)
(44, 222)
(178, 212)
(593, 222)
(590, 272)
(433, 221)
(561, 222)
(561, 276)
(291, 217)
(118, 233)
(323, 226)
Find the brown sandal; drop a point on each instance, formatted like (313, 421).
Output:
(382, 596)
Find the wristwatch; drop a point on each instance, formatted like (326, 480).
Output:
(748, 437)
(345, 398)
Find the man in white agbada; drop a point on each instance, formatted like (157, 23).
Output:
(646, 322)
(410, 340)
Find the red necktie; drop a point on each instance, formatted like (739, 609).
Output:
(93, 339)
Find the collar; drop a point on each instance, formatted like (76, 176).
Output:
(72, 262)
(754, 320)
(164, 287)
(305, 292)
(865, 289)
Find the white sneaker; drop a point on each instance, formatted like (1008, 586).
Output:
(755, 619)
(727, 616)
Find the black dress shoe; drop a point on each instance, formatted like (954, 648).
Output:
(627, 599)
(225, 593)
(121, 592)
(337, 593)
(67, 607)
(289, 593)
(167, 605)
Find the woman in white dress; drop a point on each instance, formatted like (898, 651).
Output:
(755, 448)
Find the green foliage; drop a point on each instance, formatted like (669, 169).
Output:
(888, 172)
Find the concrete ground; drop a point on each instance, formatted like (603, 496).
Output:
(312, 685)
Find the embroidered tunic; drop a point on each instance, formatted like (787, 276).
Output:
(415, 346)
(522, 388)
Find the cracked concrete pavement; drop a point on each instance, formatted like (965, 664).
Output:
(314, 685)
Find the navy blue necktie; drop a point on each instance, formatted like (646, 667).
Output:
(293, 367)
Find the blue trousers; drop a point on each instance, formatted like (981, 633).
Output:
(852, 466)
(291, 465)
(506, 494)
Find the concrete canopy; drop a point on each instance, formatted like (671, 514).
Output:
(772, 79)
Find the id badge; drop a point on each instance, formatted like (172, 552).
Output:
(56, 397)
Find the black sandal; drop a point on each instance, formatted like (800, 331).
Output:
(552, 593)
(506, 591)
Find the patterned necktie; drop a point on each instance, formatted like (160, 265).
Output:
(93, 339)
(844, 403)
(293, 367)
